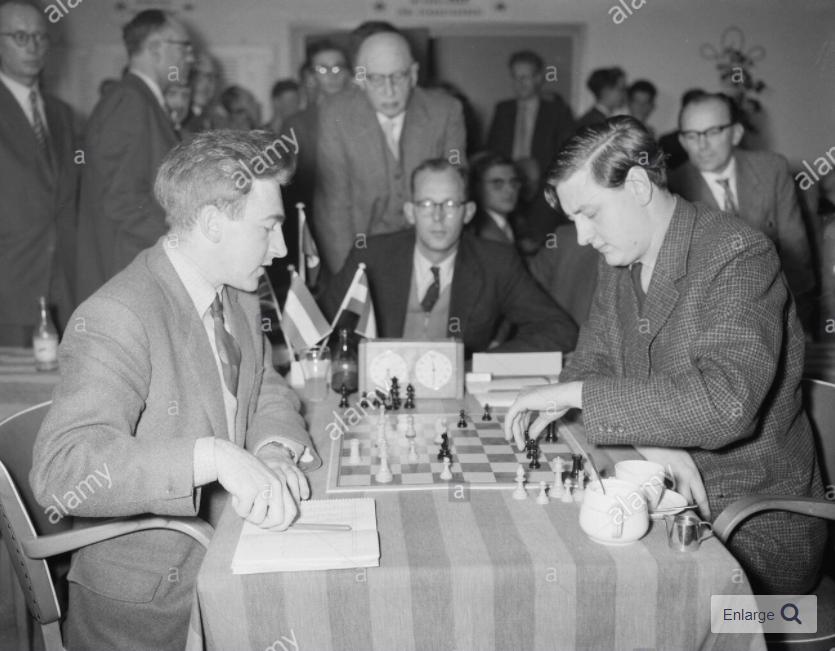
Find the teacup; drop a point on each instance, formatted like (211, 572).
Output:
(646, 474)
(618, 517)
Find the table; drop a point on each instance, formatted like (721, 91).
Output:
(480, 572)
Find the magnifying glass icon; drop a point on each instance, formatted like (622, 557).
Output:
(793, 612)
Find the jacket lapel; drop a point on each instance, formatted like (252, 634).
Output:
(399, 263)
(414, 131)
(197, 356)
(161, 117)
(749, 189)
(16, 122)
(466, 289)
(698, 188)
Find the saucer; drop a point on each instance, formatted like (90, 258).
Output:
(612, 543)
(671, 503)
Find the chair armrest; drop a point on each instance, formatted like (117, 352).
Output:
(54, 544)
(743, 508)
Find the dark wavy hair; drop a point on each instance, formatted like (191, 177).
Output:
(610, 149)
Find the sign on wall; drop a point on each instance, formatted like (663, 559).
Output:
(438, 8)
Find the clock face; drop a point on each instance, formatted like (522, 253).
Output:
(433, 370)
(387, 365)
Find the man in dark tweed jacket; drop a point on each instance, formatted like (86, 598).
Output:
(692, 345)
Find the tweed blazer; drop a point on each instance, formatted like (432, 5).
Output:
(139, 385)
(489, 284)
(767, 201)
(712, 364)
(38, 214)
(359, 187)
(127, 137)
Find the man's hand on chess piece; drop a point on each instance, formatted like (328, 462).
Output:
(550, 400)
(259, 494)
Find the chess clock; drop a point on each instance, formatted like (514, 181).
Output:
(435, 367)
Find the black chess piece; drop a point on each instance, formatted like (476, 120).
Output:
(534, 456)
(576, 467)
(530, 444)
(363, 403)
(551, 433)
(444, 451)
(410, 397)
(343, 401)
(486, 415)
(462, 419)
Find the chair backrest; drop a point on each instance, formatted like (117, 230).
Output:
(17, 437)
(819, 400)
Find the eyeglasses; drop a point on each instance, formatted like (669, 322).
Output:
(713, 132)
(498, 184)
(396, 78)
(449, 208)
(22, 38)
(184, 45)
(325, 70)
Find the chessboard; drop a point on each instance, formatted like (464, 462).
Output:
(481, 458)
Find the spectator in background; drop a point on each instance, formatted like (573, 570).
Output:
(755, 186)
(640, 101)
(243, 112)
(177, 97)
(286, 101)
(529, 126)
(329, 69)
(128, 134)
(669, 142)
(371, 138)
(204, 111)
(38, 181)
(608, 85)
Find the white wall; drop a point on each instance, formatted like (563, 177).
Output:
(660, 41)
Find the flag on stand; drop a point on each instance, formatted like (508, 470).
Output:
(308, 251)
(358, 300)
(303, 324)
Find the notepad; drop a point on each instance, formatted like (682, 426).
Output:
(260, 551)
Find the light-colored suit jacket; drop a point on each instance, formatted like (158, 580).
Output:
(713, 364)
(139, 385)
(360, 188)
(38, 212)
(127, 137)
(768, 202)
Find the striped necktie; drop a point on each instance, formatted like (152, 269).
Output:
(37, 121)
(730, 200)
(431, 296)
(227, 348)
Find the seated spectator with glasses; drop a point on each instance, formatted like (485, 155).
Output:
(434, 280)
(495, 184)
(371, 138)
(755, 186)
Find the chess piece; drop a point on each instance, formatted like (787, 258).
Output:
(566, 491)
(412, 457)
(529, 443)
(343, 401)
(354, 459)
(580, 488)
(410, 397)
(363, 403)
(384, 475)
(520, 493)
(534, 456)
(551, 433)
(410, 427)
(446, 473)
(486, 415)
(440, 428)
(542, 498)
(462, 420)
(556, 488)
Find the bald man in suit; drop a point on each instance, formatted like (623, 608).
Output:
(167, 391)
(38, 181)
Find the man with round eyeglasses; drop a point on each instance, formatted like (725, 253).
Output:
(435, 281)
(755, 186)
(38, 180)
(371, 138)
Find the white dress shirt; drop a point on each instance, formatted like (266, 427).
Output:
(392, 125)
(422, 269)
(21, 95)
(712, 180)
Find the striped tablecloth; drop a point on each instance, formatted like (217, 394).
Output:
(482, 572)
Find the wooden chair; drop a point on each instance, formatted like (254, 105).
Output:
(32, 538)
(819, 400)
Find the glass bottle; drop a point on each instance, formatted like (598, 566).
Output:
(45, 341)
(344, 365)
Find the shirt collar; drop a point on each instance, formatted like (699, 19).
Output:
(19, 91)
(424, 271)
(200, 290)
(150, 83)
(728, 173)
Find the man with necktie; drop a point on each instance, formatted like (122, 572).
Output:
(434, 280)
(167, 388)
(755, 186)
(128, 134)
(38, 180)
